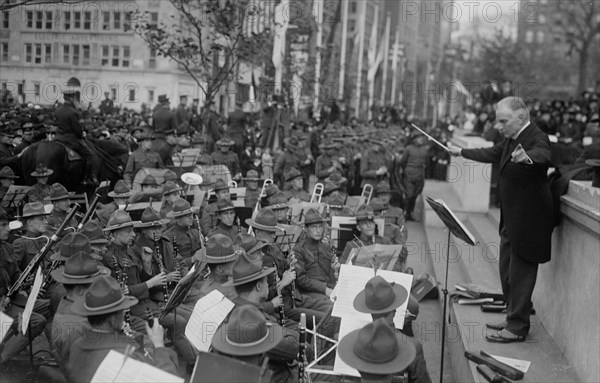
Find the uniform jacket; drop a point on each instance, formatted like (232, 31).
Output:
(38, 192)
(66, 329)
(229, 231)
(313, 268)
(414, 160)
(526, 201)
(300, 195)
(9, 268)
(163, 119)
(88, 352)
(188, 241)
(164, 150)
(369, 164)
(104, 212)
(251, 197)
(141, 159)
(67, 120)
(55, 219)
(322, 165)
(25, 249)
(229, 159)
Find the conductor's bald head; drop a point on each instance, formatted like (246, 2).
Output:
(511, 115)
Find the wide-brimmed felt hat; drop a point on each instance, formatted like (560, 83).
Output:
(224, 205)
(337, 179)
(330, 187)
(248, 268)
(220, 185)
(58, 192)
(170, 187)
(265, 220)
(271, 190)
(377, 349)
(93, 231)
(41, 170)
(219, 249)
(248, 242)
(225, 141)
(292, 142)
(181, 207)
(149, 180)
(312, 216)
(278, 201)
(119, 219)
(292, 174)
(246, 332)
(121, 190)
(33, 209)
(104, 296)
(337, 201)
(380, 296)
(364, 213)
(171, 176)
(252, 175)
(146, 135)
(377, 206)
(79, 269)
(382, 188)
(150, 218)
(71, 244)
(7, 172)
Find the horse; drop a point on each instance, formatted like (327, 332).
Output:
(70, 171)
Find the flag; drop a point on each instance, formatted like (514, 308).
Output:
(281, 18)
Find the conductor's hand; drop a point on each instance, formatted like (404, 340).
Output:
(156, 280)
(454, 151)
(156, 333)
(519, 156)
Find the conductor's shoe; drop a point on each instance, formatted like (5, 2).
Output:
(505, 336)
(496, 326)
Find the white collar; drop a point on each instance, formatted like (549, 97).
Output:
(521, 130)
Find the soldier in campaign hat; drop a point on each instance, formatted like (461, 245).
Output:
(60, 198)
(226, 217)
(120, 195)
(186, 236)
(35, 220)
(143, 157)
(7, 179)
(251, 181)
(228, 158)
(209, 221)
(171, 192)
(295, 189)
(41, 189)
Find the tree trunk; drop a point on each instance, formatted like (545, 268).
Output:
(583, 61)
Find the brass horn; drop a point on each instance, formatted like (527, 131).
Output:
(317, 193)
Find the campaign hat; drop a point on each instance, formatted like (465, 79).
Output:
(104, 296)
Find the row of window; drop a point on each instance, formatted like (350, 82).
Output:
(79, 54)
(78, 20)
(539, 37)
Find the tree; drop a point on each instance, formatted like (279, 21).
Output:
(578, 21)
(208, 39)
(6, 5)
(501, 60)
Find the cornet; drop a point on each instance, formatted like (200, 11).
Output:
(317, 193)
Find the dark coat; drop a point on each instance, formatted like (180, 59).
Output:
(525, 196)
(67, 120)
(163, 119)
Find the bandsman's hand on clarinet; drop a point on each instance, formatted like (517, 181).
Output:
(173, 276)
(156, 333)
(277, 301)
(288, 277)
(157, 280)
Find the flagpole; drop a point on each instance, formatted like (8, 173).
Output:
(386, 58)
(371, 77)
(395, 66)
(343, 50)
(361, 47)
(319, 5)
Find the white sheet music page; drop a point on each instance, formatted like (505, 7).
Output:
(347, 325)
(352, 280)
(5, 323)
(209, 313)
(112, 369)
(35, 290)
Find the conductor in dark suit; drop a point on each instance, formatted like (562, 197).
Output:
(527, 217)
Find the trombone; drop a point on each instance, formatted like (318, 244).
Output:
(317, 193)
(367, 193)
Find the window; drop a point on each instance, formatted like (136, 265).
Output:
(39, 20)
(125, 62)
(151, 95)
(542, 19)
(67, 17)
(38, 54)
(86, 55)
(77, 20)
(5, 18)
(29, 19)
(28, 53)
(115, 55)
(48, 19)
(105, 21)
(540, 37)
(87, 20)
(47, 53)
(152, 61)
(105, 55)
(132, 94)
(117, 20)
(4, 52)
(529, 36)
(353, 6)
(351, 25)
(75, 57)
(127, 21)
(66, 53)
(36, 89)
(113, 93)
(154, 18)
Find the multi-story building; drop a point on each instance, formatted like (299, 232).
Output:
(43, 46)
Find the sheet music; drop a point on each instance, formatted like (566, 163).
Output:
(521, 365)
(112, 369)
(347, 325)
(352, 280)
(209, 313)
(449, 218)
(387, 255)
(5, 323)
(35, 290)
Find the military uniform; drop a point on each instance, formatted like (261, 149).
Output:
(25, 249)
(105, 211)
(251, 198)
(284, 163)
(322, 165)
(188, 241)
(313, 270)
(369, 164)
(229, 159)
(55, 219)
(300, 195)
(66, 329)
(228, 231)
(166, 208)
(209, 219)
(163, 119)
(38, 192)
(164, 150)
(139, 159)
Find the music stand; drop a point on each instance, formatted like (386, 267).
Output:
(456, 227)
(181, 291)
(14, 198)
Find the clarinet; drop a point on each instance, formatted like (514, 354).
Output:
(161, 265)
(176, 255)
(280, 309)
(302, 349)
(237, 222)
(293, 261)
(121, 277)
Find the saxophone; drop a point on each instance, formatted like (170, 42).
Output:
(161, 265)
(122, 279)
